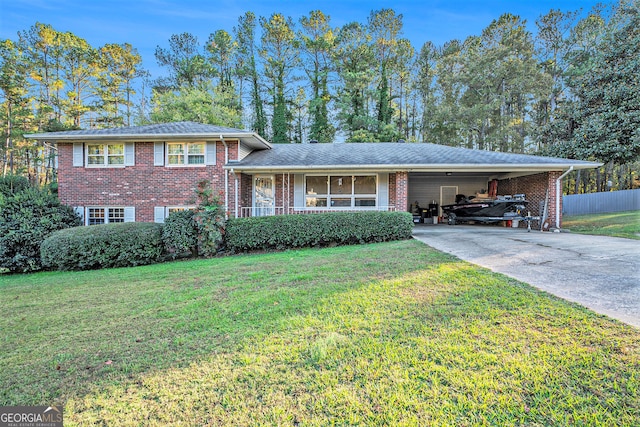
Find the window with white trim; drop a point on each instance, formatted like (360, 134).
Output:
(105, 154)
(185, 153)
(104, 215)
(341, 191)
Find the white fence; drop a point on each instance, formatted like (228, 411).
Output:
(594, 203)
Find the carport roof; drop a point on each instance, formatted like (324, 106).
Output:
(411, 157)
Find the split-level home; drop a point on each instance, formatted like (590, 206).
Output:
(143, 173)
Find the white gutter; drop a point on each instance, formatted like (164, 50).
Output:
(226, 174)
(236, 187)
(455, 168)
(288, 191)
(558, 195)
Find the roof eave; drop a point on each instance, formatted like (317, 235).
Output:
(417, 168)
(251, 139)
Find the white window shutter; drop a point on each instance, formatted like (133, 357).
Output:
(80, 211)
(130, 214)
(158, 214)
(158, 154)
(78, 154)
(210, 156)
(130, 154)
(298, 191)
(383, 189)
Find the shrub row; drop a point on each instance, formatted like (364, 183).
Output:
(294, 231)
(131, 244)
(103, 246)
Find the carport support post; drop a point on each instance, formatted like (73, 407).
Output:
(559, 195)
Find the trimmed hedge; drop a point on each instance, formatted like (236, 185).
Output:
(295, 231)
(103, 246)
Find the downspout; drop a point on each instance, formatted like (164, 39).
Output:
(236, 186)
(558, 196)
(226, 174)
(289, 193)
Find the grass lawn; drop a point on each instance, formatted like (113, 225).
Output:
(617, 224)
(383, 334)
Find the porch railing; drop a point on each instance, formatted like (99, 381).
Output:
(280, 210)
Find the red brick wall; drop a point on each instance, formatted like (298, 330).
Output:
(401, 190)
(535, 189)
(392, 190)
(284, 187)
(246, 191)
(281, 188)
(143, 185)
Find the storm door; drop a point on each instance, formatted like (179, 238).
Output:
(263, 196)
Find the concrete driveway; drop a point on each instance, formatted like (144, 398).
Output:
(601, 273)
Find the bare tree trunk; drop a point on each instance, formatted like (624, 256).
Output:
(622, 184)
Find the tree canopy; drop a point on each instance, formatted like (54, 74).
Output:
(568, 89)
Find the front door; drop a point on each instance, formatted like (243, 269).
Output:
(263, 196)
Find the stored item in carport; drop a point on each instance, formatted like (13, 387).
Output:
(502, 208)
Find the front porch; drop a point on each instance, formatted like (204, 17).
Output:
(297, 193)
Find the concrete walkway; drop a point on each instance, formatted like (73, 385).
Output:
(601, 273)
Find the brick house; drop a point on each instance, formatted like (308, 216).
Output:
(143, 173)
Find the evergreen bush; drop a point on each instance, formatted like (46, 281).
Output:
(198, 232)
(210, 220)
(12, 184)
(295, 231)
(179, 234)
(27, 216)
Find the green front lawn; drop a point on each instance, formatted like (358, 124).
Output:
(617, 224)
(383, 334)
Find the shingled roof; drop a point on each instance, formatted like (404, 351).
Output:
(304, 157)
(156, 132)
(395, 157)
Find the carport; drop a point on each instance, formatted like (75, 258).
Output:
(541, 188)
(442, 187)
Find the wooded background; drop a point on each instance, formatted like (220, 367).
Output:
(569, 89)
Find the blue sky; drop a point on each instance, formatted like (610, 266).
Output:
(149, 23)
